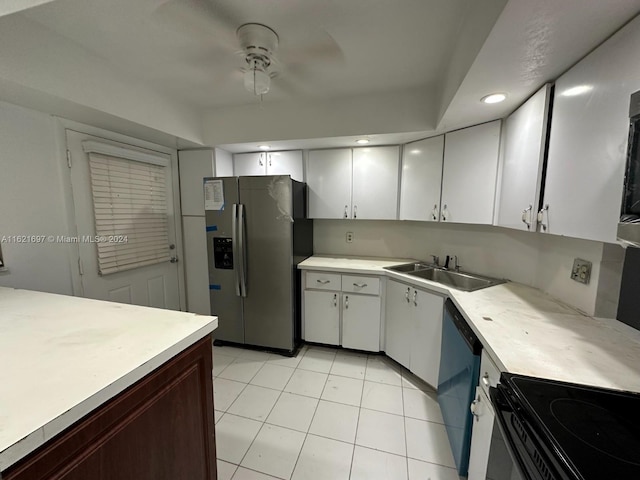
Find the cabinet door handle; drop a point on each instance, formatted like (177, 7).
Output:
(485, 379)
(445, 213)
(474, 409)
(260, 161)
(355, 211)
(541, 217)
(406, 295)
(323, 282)
(269, 159)
(360, 285)
(345, 211)
(415, 298)
(346, 302)
(526, 213)
(434, 212)
(335, 299)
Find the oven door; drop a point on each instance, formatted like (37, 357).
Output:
(530, 458)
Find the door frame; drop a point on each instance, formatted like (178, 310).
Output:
(61, 125)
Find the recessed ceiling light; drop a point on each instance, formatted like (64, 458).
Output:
(415, 151)
(494, 98)
(578, 90)
(264, 147)
(362, 141)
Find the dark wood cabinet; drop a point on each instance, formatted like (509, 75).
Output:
(160, 428)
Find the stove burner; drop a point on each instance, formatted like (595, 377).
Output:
(598, 428)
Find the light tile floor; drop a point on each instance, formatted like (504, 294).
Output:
(325, 414)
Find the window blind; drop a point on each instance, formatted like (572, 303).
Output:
(130, 209)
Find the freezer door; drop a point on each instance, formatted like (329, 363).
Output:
(268, 243)
(224, 278)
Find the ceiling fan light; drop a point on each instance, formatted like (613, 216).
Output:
(257, 81)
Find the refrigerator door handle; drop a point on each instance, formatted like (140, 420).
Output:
(242, 247)
(234, 244)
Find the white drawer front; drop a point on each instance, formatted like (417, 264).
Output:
(489, 373)
(323, 281)
(359, 284)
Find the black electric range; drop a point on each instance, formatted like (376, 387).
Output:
(563, 431)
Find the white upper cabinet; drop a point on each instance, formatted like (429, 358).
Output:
(269, 163)
(286, 163)
(524, 134)
(421, 179)
(359, 183)
(375, 183)
(469, 174)
(588, 142)
(329, 182)
(194, 165)
(249, 164)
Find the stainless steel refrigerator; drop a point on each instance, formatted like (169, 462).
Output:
(257, 233)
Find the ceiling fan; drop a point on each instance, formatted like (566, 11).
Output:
(231, 27)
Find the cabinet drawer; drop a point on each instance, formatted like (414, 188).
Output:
(489, 373)
(323, 281)
(359, 284)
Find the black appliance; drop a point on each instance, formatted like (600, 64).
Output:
(560, 431)
(629, 225)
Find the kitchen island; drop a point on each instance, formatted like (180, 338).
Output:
(93, 389)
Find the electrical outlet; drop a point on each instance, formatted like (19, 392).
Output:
(581, 271)
(349, 237)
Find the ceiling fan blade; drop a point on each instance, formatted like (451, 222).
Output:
(206, 19)
(315, 45)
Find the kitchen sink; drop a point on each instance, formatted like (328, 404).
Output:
(408, 267)
(467, 282)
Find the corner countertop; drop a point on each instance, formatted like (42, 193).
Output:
(527, 331)
(61, 357)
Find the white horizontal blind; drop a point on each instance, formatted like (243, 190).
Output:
(130, 208)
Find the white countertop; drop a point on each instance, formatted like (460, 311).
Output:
(530, 332)
(61, 357)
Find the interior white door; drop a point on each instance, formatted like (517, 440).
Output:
(286, 163)
(152, 285)
(329, 182)
(421, 179)
(525, 134)
(427, 335)
(469, 174)
(375, 183)
(249, 164)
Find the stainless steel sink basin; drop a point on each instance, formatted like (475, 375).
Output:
(408, 267)
(467, 282)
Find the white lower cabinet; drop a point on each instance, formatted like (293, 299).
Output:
(361, 322)
(342, 310)
(322, 317)
(414, 329)
(482, 431)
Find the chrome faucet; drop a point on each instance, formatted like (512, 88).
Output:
(446, 263)
(436, 259)
(456, 267)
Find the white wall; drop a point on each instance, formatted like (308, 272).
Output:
(32, 201)
(542, 261)
(407, 111)
(54, 73)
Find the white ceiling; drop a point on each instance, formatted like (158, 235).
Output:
(455, 51)
(328, 48)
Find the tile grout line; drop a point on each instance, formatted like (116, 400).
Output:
(404, 427)
(306, 435)
(355, 439)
